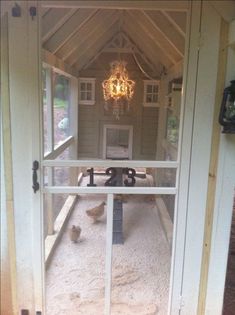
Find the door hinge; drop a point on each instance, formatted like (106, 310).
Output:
(24, 312)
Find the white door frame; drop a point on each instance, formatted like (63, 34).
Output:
(24, 65)
(122, 127)
(223, 209)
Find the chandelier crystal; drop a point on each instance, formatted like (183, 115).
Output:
(118, 89)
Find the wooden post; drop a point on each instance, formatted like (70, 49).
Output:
(213, 169)
(108, 256)
(50, 143)
(10, 298)
(73, 150)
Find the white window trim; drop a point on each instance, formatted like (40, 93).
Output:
(122, 127)
(146, 83)
(87, 80)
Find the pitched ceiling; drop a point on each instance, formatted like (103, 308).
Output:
(78, 34)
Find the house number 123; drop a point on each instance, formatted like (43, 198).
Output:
(112, 181)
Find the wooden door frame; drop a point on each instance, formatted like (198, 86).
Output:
(122, 127)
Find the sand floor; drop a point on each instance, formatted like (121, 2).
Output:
(141, 266)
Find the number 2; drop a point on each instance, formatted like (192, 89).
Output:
(111, 181)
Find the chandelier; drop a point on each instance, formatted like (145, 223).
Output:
(118, 89)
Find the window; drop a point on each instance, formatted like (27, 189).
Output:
(172, 132)
(151, 93)
(61, 107)
(45, 111)
(87, 91)
(57, 109)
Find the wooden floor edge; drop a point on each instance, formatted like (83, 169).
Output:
(165, 219)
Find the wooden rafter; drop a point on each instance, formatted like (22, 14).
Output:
(179, 28)
(153, 54)
(120, 5)
(130, 47)
(137, 50)
(79, 36)
(170, 36)
(89, 59)
(119, 43)
(149, 46)
(126, 46)
(69, 29)
(99, 23)
(95, 41)
(56, 62)
(143, 24)
(53, 20)
(44, 11)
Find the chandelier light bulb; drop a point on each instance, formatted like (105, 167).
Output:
(118, 89)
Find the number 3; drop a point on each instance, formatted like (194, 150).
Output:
(130, 172)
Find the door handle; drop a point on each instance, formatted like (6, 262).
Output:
(35, 176)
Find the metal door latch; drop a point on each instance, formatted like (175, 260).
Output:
(35, 176)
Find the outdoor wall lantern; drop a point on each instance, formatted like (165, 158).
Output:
(227, 110)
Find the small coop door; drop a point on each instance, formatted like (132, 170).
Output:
(117, 142)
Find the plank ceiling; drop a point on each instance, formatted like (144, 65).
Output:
(78, 33)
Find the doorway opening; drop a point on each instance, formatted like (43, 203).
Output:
(117, 142)
(110, 202)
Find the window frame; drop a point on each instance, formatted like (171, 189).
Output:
(151, 83)
(54, 150)
(92, 82)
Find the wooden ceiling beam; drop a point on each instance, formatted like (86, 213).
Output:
(142, 23)
(87, 28)
(88, 44)
(44, 11)
(53, 61)
(120, 5)
(53, 20)
(88, 57)
(137, 50)
(153, 53)
(167, 32)
(177, 26)
(69, 29)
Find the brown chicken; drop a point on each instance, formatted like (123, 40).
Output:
(96, 212)
(74, 233)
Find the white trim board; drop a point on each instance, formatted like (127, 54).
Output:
(225, 186)
(165, 219)
(119, 127)
(110, 163)
(205, 90)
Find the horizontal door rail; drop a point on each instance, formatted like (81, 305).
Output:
(109, 163)
(110, 190)
(61, 147)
